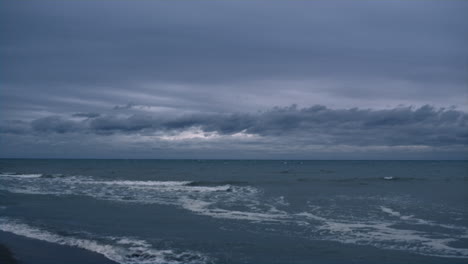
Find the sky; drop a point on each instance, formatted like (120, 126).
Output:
(234, 79)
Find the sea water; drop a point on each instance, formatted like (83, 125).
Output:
(241, 211)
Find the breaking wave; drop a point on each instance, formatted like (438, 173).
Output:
(121, 250)
(17, 175)
(216, 183)
(202, 199)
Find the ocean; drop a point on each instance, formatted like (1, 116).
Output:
(233, 211)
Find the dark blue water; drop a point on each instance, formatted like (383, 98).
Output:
(203, 211)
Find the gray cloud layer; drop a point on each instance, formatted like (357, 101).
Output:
(345, 53)
(217, 42)
(69, 70)
(425, 126)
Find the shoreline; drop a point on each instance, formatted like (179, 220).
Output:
(16, 249)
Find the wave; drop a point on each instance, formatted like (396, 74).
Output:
(146, 183)
(54, 175)
(149, 192)
(124, 251)
(202, 198)
(169, 185)
(384, 234)
(166, 185)
(414, 220)
(395, 213)
(18, 175)
(206, 209)
(216, 183)
(31, 175)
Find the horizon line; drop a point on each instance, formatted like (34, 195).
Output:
(232, 159)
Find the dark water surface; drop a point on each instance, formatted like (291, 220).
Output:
(214, 211)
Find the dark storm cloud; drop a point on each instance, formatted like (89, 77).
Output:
(314, 125)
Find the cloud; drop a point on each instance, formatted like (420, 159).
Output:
(55, 124)
(234, 50)
(124, 107)
(197, 73)
(86, 115)
(15, 127)
(315, 125)
(232, 42)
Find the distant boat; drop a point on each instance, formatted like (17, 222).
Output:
(388, 178)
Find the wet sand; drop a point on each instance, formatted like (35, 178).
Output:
(6, 256)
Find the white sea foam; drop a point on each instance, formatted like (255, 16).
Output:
(131, 241)
(384, 235)
(413, 220)
(204, 208)
(394, 213)
(160, 185)
(145, 183)
(311, 216)
(138, 251)
(391, 212)
(281, 201)
(20, 175)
